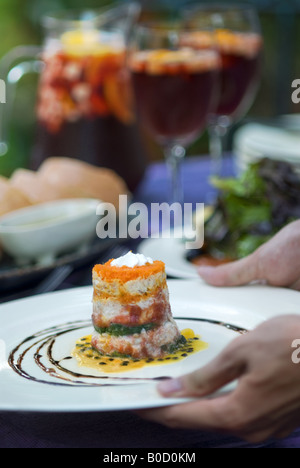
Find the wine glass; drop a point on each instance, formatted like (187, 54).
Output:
(240, 44)
(174, 88)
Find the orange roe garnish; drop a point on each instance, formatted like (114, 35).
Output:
(123, 274)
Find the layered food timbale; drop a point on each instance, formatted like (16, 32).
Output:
(131, 309)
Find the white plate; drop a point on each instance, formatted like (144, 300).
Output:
(47, 326)
(172, 252)
(268, 141)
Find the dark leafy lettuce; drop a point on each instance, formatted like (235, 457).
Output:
(252, 208)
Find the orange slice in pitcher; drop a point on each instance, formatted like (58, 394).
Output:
(98, 104)
(118, 94)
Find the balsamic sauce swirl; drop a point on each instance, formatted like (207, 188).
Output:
(39, 350)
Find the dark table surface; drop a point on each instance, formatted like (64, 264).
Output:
(126, 430)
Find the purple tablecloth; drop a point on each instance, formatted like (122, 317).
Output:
(124, 429)
(195, 172)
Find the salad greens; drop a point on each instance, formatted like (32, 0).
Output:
(252, 208)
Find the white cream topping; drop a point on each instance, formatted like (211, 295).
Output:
(131, 260)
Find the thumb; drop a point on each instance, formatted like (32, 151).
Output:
(222, 370)
(231, 274)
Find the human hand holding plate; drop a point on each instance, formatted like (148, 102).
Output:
(277, 262)
(264, 404)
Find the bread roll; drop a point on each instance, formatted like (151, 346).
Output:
(11, 198)
(74, 178)
(58, 179)
(32, 187)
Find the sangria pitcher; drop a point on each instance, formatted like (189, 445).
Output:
(84, 107)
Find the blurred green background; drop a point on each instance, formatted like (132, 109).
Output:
(20, 24)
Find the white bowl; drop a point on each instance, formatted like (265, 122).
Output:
(42, 232)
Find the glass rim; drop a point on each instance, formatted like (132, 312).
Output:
(74, 18)
(165, 27)
(249, 11)
(222, 7)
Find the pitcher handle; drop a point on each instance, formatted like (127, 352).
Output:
(17, 63)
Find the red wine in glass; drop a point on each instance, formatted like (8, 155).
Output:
(240, 55)
(240, 44)
(174, 92)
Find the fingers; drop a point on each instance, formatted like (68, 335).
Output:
(217, 414)
(200, 414)
(296, 285)
(223, 414)
(276, 262)
(222, 370)
(231, 274)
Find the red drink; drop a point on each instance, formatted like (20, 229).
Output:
(174, 92)
(241, 58)
(85, 107)
(240, 55)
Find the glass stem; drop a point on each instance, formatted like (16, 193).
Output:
(217, 140)
(174, 156)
